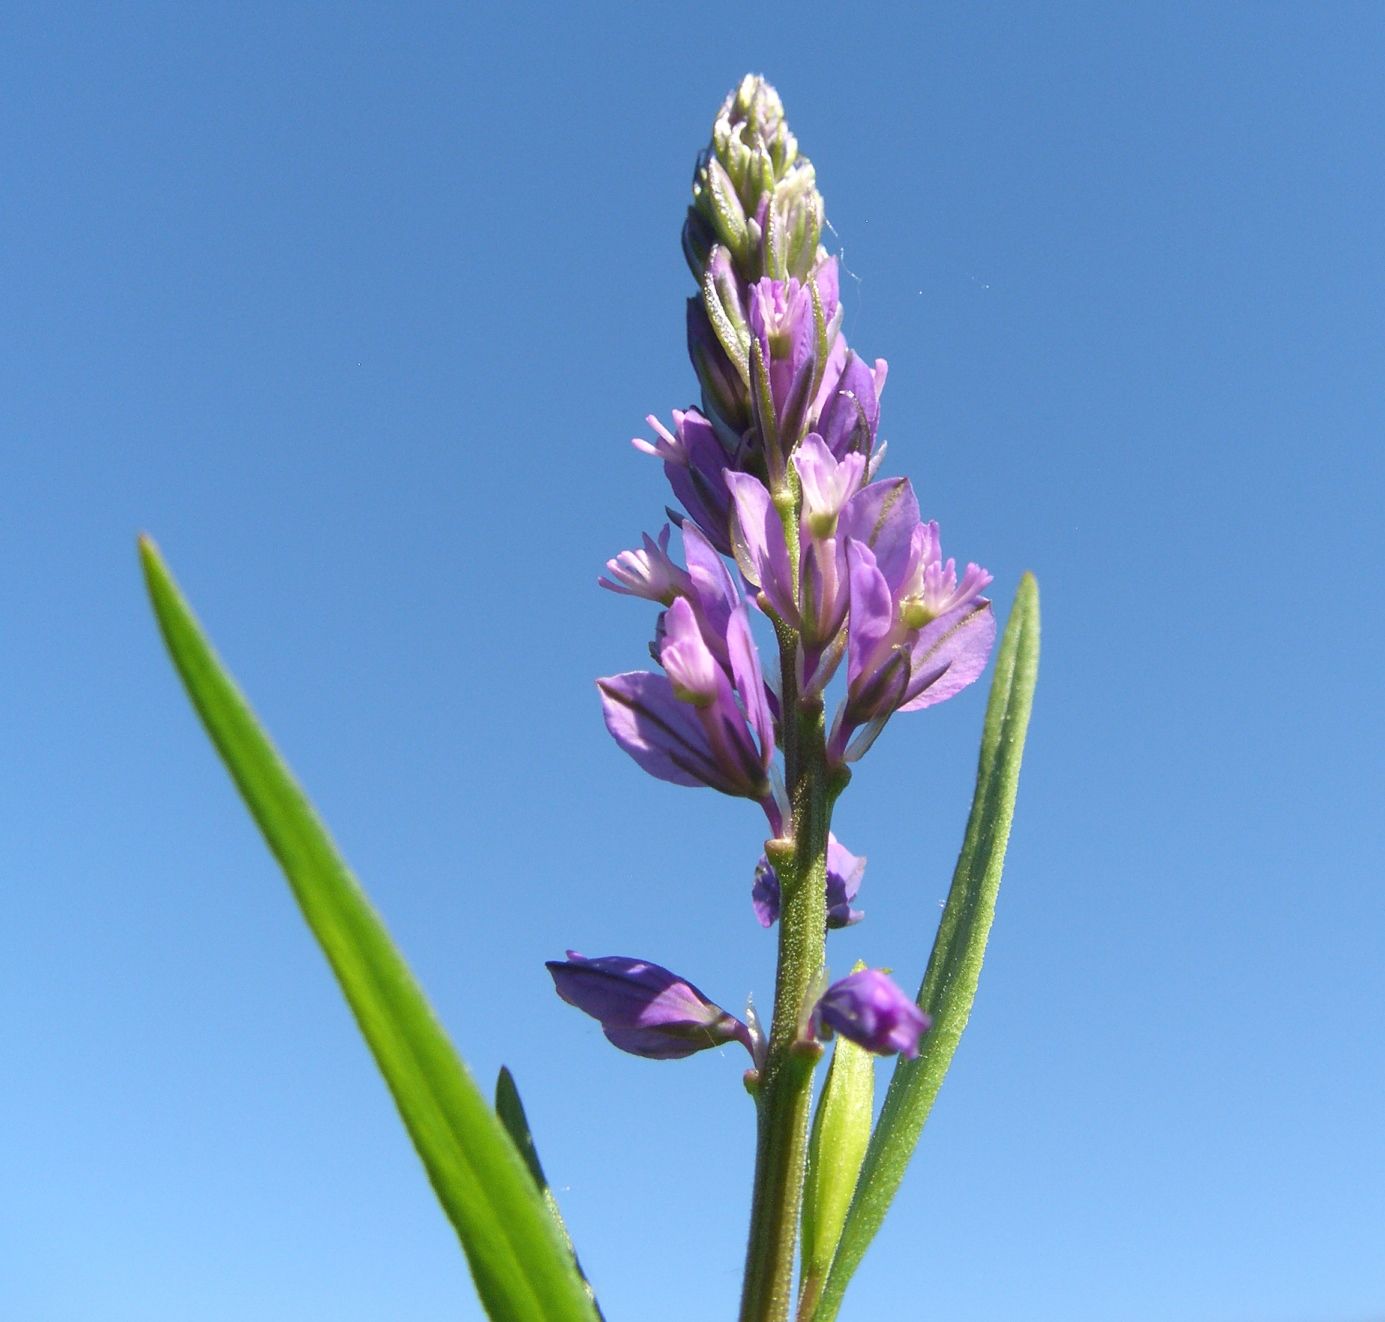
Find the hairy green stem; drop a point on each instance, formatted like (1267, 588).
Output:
(785, 1087)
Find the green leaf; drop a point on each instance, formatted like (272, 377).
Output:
(949, 985)
(836, 1149)
(511, 1112)
(523, 1270)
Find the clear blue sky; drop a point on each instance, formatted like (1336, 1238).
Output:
(355, 309)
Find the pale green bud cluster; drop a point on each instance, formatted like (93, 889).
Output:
(753, 194)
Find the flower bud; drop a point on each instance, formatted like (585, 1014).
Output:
(844, 873)
(869, 1009)
(753, 193)
(643, 1008)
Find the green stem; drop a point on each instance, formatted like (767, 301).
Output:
(809, 1291)
(785, 1087)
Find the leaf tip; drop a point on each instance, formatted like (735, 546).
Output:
(151, 562)
(504, 1086)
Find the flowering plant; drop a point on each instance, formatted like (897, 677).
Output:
(789, 530)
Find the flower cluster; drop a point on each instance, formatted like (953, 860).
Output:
(776, 472)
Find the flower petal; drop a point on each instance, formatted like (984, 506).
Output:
(949, 653)
(883, 516)
(750, 682)
(661, 733)
(757, 534)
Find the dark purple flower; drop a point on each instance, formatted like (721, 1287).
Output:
(869, 1009)
(844, 873)
(645, 1009)
(850, 413)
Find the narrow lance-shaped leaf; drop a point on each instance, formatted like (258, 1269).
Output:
(836, 1149)
(524, 1272)
(511, 1112)
(949, 985)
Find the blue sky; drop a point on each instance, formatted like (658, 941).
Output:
(355, 308)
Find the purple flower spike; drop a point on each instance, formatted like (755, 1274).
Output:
(645, 1009)
(869, 1009)
(844, 873)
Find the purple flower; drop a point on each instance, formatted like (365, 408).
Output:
(645, 1009)
(850, 412)
(757, 537)
(869, 1009)
(695, 462)
(706, 721)
(916, 635)
(844, 873)
(828, 484)
(648, 573)
(725, 394)
(795, 353)
(835, 506)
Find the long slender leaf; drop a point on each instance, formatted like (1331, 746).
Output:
(511, 1112)
(949, 985)
(523, 1270)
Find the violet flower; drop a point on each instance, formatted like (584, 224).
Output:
(794, 327)
(643, 1008)
(757, 539)
(836, 508)
(844, 873)
(869, 1009)
(828, 484)
(706, 720)
(916, 635)
(648, 573)
(850, 416)
(695, 462)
